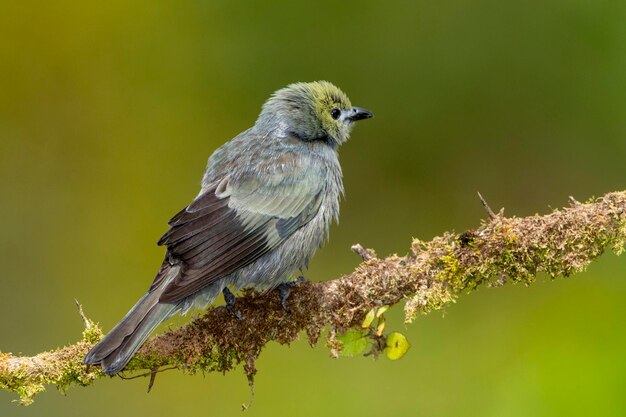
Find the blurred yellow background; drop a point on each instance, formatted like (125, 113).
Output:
(109, 110)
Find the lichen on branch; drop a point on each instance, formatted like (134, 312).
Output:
(432, 275)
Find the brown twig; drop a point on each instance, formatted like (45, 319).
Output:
(572, 201)
(490, 212)
(365, 254)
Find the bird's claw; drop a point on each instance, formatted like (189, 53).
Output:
(285, 288)
(230, 299)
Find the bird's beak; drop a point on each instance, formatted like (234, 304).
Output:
(357, 113)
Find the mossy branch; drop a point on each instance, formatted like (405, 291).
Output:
(434, 274)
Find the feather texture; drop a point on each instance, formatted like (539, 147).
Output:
(232, 224)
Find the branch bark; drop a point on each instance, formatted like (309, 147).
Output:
(434, 274)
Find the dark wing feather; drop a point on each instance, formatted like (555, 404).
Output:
(217, 235)
(237, 221)
(200, 240)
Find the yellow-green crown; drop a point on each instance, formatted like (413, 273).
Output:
(325, 95)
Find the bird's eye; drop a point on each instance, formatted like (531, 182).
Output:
(335, 113)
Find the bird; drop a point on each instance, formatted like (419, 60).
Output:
(266, 203)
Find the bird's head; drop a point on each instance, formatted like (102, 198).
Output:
(315, 111)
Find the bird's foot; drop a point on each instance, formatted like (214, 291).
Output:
(285, 288)
(230, 299)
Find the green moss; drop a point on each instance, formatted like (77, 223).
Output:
(92, 332)
(75, 373)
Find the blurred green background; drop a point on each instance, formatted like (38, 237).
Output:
(109, 110)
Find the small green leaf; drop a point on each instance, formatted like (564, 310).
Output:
(381, 310)
(397, 345)
(353, 343)
(380, 328)
(369, 318)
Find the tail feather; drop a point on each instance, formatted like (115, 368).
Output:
(116, 349)
(120, 356)
(124, 328)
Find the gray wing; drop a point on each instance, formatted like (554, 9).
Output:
(235, 222)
